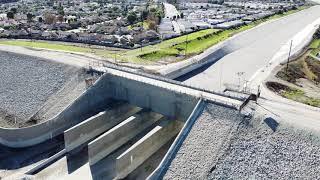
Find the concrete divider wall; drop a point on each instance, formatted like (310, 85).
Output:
(96, 125)
(146, 146)
(119, 135)
(91, 102)
(161, 100)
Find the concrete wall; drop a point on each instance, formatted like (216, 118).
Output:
(119, 135)
(196, 63)
(146, 146)
(96, 99)
(167, 102)
(96, 125)
(88, 104)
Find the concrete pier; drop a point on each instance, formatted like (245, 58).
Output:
(119, 135)
(96, 125)
(146, 146)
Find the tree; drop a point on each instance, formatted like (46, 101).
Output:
(60, 18)
(60, 9)
(182, 15)
(144, 15)
(49, 18)
(40, 20)
(29, 17)
(152, 25)
(132, 17)
(14, 10)
(10, 15)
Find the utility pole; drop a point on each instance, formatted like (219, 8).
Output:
(185, 53)
(221, 75)
(289, 57)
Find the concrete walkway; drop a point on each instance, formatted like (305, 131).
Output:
(170, 10)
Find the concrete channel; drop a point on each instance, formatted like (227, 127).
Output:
(119, 135)
(96, 125)
(146, 146)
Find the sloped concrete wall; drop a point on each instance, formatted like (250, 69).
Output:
(88, 104)
(96, 99)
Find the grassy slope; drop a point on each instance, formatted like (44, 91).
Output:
(194, 46)
(299, 96)
(197, 43)
(305, 67)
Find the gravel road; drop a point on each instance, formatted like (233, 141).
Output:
(27, 83)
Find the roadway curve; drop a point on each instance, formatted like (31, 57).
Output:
(250, 51)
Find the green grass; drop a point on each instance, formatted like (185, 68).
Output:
(60, 47)
(164, 49)
(46, 45)
(315, 44)
(315, 47)
(299, 96)
(145, 25)
(195, 43)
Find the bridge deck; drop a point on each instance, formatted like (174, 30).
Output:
(168, 84)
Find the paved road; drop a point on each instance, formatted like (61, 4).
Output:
(170, 10)
(252, 50)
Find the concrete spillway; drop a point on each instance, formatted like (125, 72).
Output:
(116, 117)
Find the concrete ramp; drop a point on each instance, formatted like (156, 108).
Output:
(96, 125)
(146, 146)
(119, 135)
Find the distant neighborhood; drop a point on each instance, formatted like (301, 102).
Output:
(126, 24)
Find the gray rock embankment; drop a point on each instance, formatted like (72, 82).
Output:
(223, 144)
(204, 143)
(26, 83)
(267, 149)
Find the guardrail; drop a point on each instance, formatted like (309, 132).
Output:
(191, 97)
(163, 79)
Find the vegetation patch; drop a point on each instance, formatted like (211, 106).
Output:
(292, 73)
(293, 94)
(157, 54)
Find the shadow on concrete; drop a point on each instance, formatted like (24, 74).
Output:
(217, 55)
(77, 159)
(272, 123)
(15, 158)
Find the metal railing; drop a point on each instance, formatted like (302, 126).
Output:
(101, 66)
